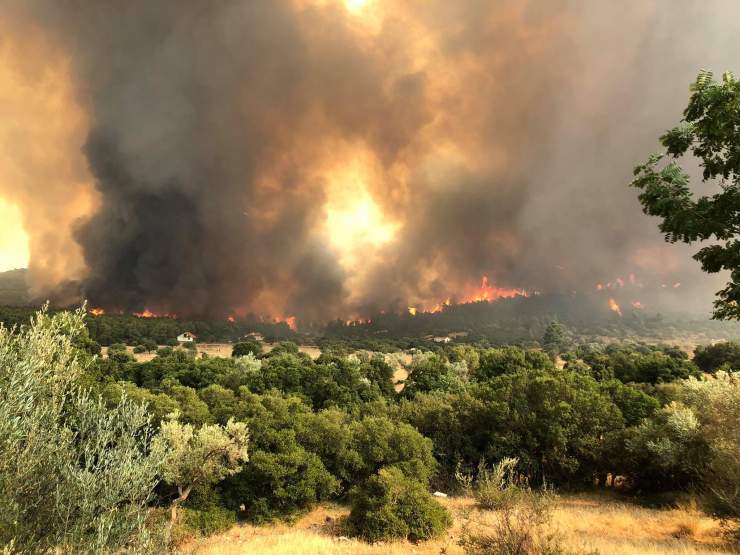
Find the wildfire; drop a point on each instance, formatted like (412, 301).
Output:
(485, 292)
(614, 306)
(231, 319)
(358, 322)
(146, 313)
(441, 306)
(97, 311)
(638, 305)
(290, 320)
(489, 292)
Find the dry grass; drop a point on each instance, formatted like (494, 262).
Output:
(592, 522)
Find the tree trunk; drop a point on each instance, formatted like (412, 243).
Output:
(183, 495)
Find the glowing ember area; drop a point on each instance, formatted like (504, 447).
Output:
(412, 310)
(97, 311)
(231, 319)
(614, 306)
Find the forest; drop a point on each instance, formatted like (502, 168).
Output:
(264, 436)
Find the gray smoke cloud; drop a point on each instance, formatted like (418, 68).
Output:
(501, 137)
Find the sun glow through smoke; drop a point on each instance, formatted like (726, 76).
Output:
(13, 239)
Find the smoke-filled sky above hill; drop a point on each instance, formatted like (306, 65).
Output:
(331, 158)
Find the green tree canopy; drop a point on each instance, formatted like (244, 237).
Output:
(710, 130)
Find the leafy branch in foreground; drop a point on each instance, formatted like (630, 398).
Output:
(710, 131)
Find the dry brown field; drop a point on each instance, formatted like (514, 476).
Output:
(583, 522)
(218, 350)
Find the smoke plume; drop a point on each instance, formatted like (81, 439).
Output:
(328, 158)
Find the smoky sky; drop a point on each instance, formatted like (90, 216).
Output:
(492, 139)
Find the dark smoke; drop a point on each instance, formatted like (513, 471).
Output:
(503, 136)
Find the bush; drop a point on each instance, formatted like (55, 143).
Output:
(389, 505)
(203, 522)
(497, 487)
(716, 403)
(517, 529)
(278, 483)
(139, 349)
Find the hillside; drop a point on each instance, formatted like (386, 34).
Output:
(13, 287)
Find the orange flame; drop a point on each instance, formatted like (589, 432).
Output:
(146, 313)
(290, 320)
(412, 310)
(97, 311)
(614, 306)
(231, 319)
(489, 292)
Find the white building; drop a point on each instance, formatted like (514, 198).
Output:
(186, 337)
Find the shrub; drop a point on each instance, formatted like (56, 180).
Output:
(380, 442)
(389, 505)
(497, 487)
(204, 522)
(285, 480)
(716, 403)
(139, 349)
(517, 529)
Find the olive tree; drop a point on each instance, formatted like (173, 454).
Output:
(76, 476)
(198, 457)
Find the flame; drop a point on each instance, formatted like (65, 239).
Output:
(97, 311)
(614, 306)
(146, 313)
(412, 310)
(489, 292)
(677, 285)
(292, 321)
(638, 305)
(231, 319)
(441, 306)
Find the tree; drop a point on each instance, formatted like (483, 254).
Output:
(246, 347)
(712, 357)
(711, 132)
(200, 457)
(555, 340)
(76, 475)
